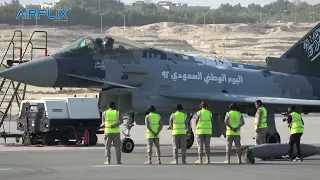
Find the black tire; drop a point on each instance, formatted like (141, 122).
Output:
(33, 140)
(93, 139)
(64, 140)
(190, 139)
(48, 139)
(127, 145)
(273, 138)
(278, 137)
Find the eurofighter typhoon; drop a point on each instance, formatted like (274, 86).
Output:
(135, 76)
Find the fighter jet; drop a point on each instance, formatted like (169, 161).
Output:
(134, 76)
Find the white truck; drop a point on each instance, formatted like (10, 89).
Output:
(62, 118)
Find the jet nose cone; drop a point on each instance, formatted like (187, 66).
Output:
(41, 72)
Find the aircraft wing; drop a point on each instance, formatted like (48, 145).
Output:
(101, 80)
(244, 98)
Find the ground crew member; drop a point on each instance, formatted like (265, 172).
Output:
(154, 126)
(112, 121)
(178, 125)
(234, 121)
(260, 123)
(203, 131)
(296, 125)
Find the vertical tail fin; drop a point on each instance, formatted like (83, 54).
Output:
(307, 53)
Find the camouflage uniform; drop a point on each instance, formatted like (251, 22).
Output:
(178, 140)
(262, 133)
(112, 138)
(153, 141)
(233, 138)
(203, 139)
(116, 140)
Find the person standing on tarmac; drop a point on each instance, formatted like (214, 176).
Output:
(234, 121)
(296, 125)
(260, 123)
(154, 127)
(111, 120)
(178, 125)
(203, 131)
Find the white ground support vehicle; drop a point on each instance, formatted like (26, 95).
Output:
(48, 119)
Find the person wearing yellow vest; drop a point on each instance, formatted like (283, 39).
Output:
(260, 123)
(203, 131)
(154, 127)
(111, 121)
(178, 125)
(234, 121)
(296, 125)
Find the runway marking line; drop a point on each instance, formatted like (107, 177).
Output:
(109, 165)
(5, 169)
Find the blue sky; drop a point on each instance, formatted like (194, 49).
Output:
(212, 3)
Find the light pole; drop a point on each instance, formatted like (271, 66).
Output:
(100, 18)
(204, 23)
(283, 14)
(101, 22)
(312, 16)
(204, 18)
(260, 16)
(124, 20)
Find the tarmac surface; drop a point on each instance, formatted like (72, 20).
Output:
(311, 135)
(88, 164)
(48, 163)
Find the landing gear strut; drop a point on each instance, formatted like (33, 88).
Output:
(127, 144)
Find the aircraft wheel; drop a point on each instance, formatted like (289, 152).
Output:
(190, 139)
(48, 139)
(273, 138)
(93, 139)
(127, 145)
(278, 137)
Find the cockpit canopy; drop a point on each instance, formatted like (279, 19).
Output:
(101, 43)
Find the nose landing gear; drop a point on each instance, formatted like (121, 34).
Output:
(127, 144)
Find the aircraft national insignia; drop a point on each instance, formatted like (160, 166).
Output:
(311, 44)
(209, 78)
(99, 65)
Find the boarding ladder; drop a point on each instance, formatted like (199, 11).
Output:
(11, 91)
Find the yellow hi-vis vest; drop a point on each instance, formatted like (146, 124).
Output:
(111, 118)
(204, 125)
(179, 125)
(234, 121)
(263, 120)
(154, 119)
(296, 124)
